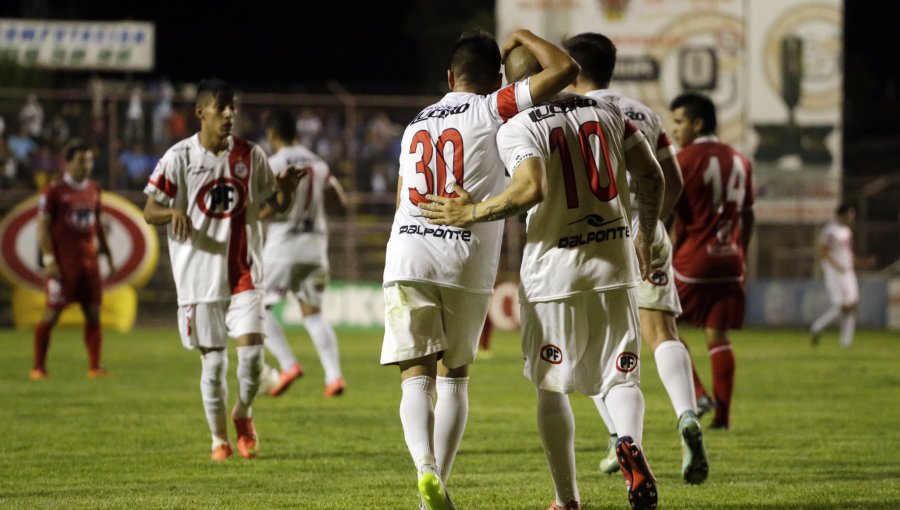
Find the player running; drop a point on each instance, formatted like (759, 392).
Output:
(438, 281)
(713, 225)
(296, 259)
(208, 189)
(68, 223)
(656, 296)
(835, 250)
(580, 329)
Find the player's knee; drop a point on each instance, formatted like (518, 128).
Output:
(215, 365)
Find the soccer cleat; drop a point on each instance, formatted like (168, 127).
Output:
(96, 373)
(705, 404)
(638, 477)
(694, 465)
(335, 388)
(268, 379)
(247, 441)
(434, 497)
(221, 452)
(610, 463)
(37, 374)
(571, 505)
(286, 378)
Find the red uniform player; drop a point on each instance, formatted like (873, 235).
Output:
(69, 221)
(714, 221)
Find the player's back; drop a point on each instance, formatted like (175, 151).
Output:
(451, 142)
(717, 189)
(578, 237)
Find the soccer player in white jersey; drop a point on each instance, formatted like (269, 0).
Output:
(438, 281)
(835, 250)
(580, 326)
(296, 259)
(657, 296)
(208, 190)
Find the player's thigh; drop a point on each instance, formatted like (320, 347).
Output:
(463, 316)
(203, 325)
(657, 326)
(413, 322)
(611, 357)
(276, 280)
(554, 337)
(245, 315)
(311, 288)
(726, 304)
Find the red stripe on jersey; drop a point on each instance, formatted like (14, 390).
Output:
(630, 129)
(165, 185)
(506, 102)
(663, 141)
(240, 278)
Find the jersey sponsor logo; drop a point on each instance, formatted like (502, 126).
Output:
(545, 111)
(595, 220)
(442, 233)
(551, 354)
(81, 217)
(601, 235)
(222, 198)
(440, 112)
(627, 362)
(659, 278)
(240, 170)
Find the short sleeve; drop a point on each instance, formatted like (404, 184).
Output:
(632, 136)
(664, 148)
(165, 179)
(265, 177)
(516, 144)
(511, 99)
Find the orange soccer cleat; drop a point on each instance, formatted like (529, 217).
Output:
(335, 388)
(37, 374)
(96, 373)
(638, 478)
(247, 441)
(571, 505)
(221, 453)
(286, 378)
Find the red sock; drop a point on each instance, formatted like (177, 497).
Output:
(93, 340)
(722, 358)
(41, 344)
(699, 390)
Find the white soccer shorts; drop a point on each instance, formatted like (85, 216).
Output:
(843, 289)
(423, 318)
(306, 280)
(588, 342)
(209, 325)
(659, 292)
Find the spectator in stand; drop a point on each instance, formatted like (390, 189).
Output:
(22, 147)
(137, 165)
(57, 132)
(134, 123)
(31, 116)
(7, 165)
(162, 113)
(45, 165)
(309, 127)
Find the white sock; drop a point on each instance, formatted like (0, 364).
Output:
(825, 319)
(557, 427)
(450, 416)
(626, 405)
(417, 417)
(249, 369)
(848, 326)
(276, 342)
(214, 390)
(323, 337)
(604, 414)
(674, 365)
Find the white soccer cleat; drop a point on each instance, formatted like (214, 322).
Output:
(268, 379)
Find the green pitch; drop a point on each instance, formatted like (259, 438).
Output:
(812, 429)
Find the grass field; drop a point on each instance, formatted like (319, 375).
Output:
(812, 429)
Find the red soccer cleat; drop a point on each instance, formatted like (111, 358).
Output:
(335, 388)
(37, 374)
(96, 373)
(221, 452)
(638, 478)
(286, 378)
(247, 442)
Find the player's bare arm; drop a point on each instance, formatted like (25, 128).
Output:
(651, 186)
(674, 185)
(158, 214)
(51, 269)
(559, 69)
(527, 189)
(339, 192)
(286, 182)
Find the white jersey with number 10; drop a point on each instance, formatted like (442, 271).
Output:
(452, 141)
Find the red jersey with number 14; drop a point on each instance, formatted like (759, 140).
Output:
(717, 189)
(73, 210)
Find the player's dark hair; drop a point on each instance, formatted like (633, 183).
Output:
(284, 123)
(596, 54)
(844, 208)
(217, 89)
(697, 106)
(74, 147)
(476, 58)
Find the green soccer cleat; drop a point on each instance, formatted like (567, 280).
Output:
(610, 463)
(694, 465)
(705, 404)
(434, 497)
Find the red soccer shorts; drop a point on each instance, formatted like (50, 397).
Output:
(712, 305)
(78, 283)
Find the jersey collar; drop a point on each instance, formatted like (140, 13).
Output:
(705, 139)
(71, 182)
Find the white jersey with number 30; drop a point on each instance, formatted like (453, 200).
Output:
(452, 141)
(579, 238)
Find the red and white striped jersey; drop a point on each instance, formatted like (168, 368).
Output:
(579, 238)
(452, 141)
(222, 195)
